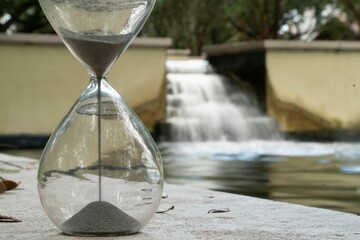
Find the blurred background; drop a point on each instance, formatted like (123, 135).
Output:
(255, 97)
(193, 24)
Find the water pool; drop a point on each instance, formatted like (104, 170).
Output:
(325, 175)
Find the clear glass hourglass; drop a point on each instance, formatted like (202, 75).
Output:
(100, 172)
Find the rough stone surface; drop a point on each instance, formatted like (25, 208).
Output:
(249, 218)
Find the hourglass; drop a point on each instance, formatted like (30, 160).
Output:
(100, 172)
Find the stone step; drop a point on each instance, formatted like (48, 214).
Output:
(195, 216)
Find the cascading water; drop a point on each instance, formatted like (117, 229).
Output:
(204, 106)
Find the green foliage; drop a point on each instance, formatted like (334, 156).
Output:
(190, 23)
(263, 19)
(22, 16)
(256, 19)
(334, 29)
(195, 23)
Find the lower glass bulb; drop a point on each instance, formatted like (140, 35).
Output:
(100, 172)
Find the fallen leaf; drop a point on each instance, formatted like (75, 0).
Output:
(9, 219)
(165, 211)
(2, 187)
(219, 210)
(164, 195)
(9, 185)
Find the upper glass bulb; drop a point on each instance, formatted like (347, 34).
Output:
(97, 31)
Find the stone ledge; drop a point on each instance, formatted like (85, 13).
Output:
(280, 45)
(248, 218)
(179, 52)
(53, 39)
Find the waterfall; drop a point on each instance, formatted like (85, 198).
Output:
(204, 106)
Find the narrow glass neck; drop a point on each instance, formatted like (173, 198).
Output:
(96, 79)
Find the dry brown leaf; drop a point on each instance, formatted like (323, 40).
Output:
(2, 187)
(165, 211)
(219, 210)
(9, 219)
(9, 185)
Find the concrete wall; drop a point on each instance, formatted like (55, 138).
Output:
(314, 86)
(309, 86)
(40, 81)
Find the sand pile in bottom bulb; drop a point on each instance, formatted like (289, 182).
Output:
(101, 218)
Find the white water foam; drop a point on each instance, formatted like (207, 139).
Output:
(205, 106)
